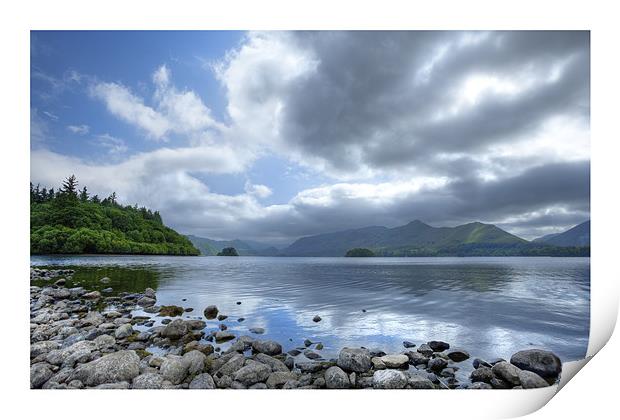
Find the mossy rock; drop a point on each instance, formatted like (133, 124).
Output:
(171, 310)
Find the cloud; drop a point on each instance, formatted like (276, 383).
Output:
(173, 110)
(113, 144)
(257, 190)
(79, 129)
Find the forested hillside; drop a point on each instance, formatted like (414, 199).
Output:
(70, 221)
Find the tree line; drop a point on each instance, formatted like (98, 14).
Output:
(71, 221)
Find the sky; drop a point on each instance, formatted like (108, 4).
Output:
(272, 136)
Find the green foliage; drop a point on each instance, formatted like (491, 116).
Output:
(68, 222)
(359, 252)
(228, 252)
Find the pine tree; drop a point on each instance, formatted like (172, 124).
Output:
(84, 194)
(69, 186)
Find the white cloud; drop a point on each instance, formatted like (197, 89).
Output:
(113, 144)
(257, 190)
(79, 129)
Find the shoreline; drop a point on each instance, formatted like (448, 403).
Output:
(86, 339)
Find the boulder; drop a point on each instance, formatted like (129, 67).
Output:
(482, 374)
(202, 381)
(425, 350)
(408, 344)
(507, 372)
(457, 355)
(222, 336)
(211, 311)
(531, 380)
(39, 374)
(268, 347)
(174, 369)
(389, 379)
(231, 365)
(121, 366)
(148, 380)
(395, 361)
(275, 364)
(123, 331)
(252, 373)
(438, 345)
(278, 379)
(542, 362)
(175, 330)
(416, 358)
(170, 310)
(195, 361)
(354, 360)
(377, 363)
(417, 381)
(336, 378)
(437, 364)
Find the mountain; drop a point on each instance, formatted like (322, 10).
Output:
(415, 238)
(209, 246)
(72, 222)
(576, 236)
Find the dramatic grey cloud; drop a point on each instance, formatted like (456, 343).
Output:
(446, 127)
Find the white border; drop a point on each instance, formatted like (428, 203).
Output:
(318, 14)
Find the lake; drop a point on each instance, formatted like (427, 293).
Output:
(491, 307)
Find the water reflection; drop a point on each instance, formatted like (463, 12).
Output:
(490, 306)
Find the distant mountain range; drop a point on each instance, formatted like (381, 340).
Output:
(244, 247)
(575, 236)
(415, 239)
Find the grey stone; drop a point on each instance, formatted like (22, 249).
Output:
(417, 381)
(268, 347)
(457, 355)
(425, 350)
(175, 329)
(438, 345)
(389, 379)
(39, 374)
(354, 360)
(195, 361)
(336, 378)
(222, 336)
(252, 373)
(531, 380)
(123, 331)
(174, 369)
(202, 381)
(437, 364)
(542, 362)
(507, 372)
(115, 367)
(211, 311)
(482, 374)
(395, 361)
(275, 364)
(279, 378)
(148, 381)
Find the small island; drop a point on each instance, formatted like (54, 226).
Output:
(360, 252)
(228, 252)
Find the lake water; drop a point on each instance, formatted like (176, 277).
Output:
(491, 307)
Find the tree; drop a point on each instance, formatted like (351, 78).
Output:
(228, 252)
(84, 194)
(69, 186)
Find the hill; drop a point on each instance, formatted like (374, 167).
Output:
(71, 222)
(576, 236)
(244, 247)
(420, 239)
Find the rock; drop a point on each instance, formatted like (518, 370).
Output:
(223, 381)
(417, 381)
(279, 378)
(257, 330)
(116, 385)
(542, 362)
(482, 374)
(416, 358)
(175, 330)
(389, 379)
(170, 310)
(60, 282)
(123, 331)
(395, 361)
(195, 361)
(211, 311)
(148, 381)
(92, 295)
(437, 364)
(425, 349)
(294, 352)
(408, 344)
(480, 385)
(457, 355)
(267, 347)
(479, 363)
(195, 324)
(319, 346)
(336, 378)
(121, 366)
(316, 318)
(252, 373)
(258, 385)
(232, 365)
(107, 290)
(105, 280)
(438, 345)
(146, 301)
(174, 369)
(202, 381)
(275, 364)
(531, 380)
(354, 360)
(42, 347)
(39, 374)
(507, 372)
(222, 336)
(377, 363)
(311, 355)
(497, 383)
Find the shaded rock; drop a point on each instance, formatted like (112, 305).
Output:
(336, 378)
(530, 380)
(354, 360)
(257, 330)
(479, 363)
(269, 347)
(389, 379)
(175, 329)
(438, 345)
(252, 373)
(202, 381)
(416, 358)
(507, 372)
(39, 374)
(408, 344)
(211, 311)
(542, 362)
(123, 331)
(425, 349)
(279, 378)
(316, 318)
(170, 310)
(457, 355)
(222, 336)
(482, 374)
(437, 364)
(417, 381)
(111, 368)
(273, 363)
(497, 383)
(311, 355)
